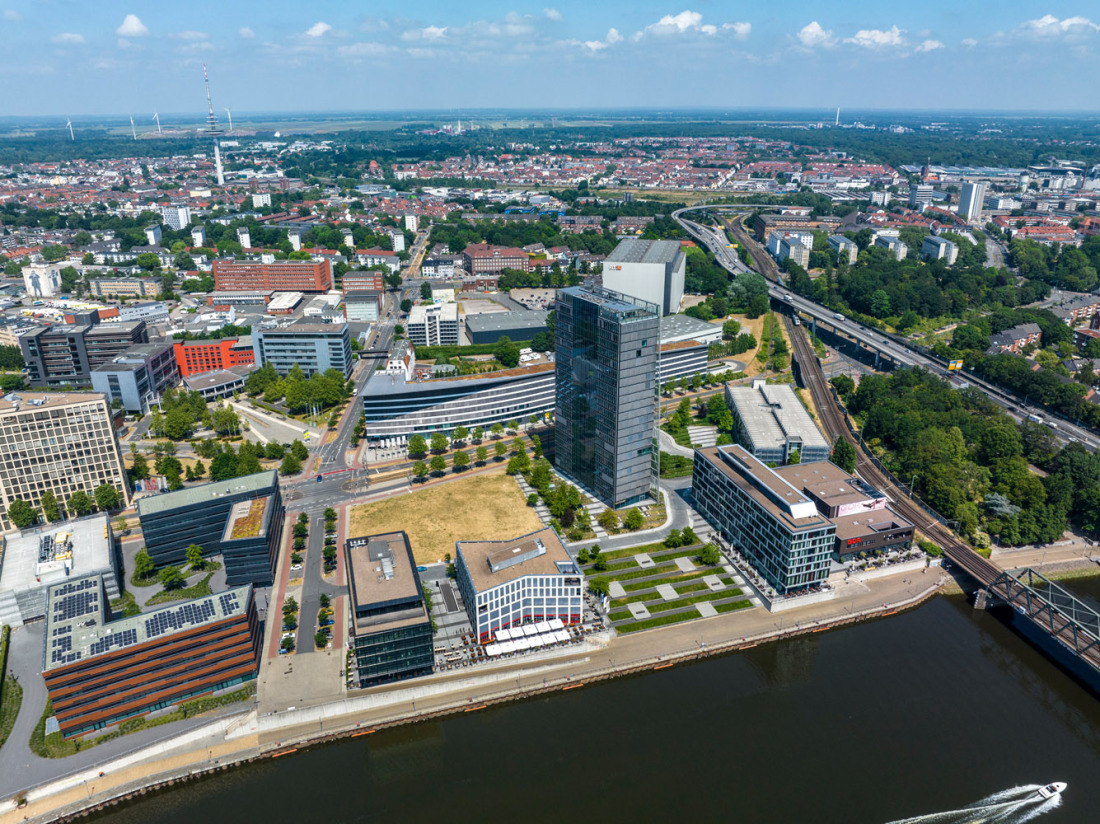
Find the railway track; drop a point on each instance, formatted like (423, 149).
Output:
(835, 425)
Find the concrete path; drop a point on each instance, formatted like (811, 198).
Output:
(668, 444)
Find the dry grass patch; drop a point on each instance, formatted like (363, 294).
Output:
(481, 508)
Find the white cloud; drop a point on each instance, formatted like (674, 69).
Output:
(123, 43)
(11, 15)
(878, 38)
(740, 30)
(929, 45)
(132, 27)
(246, 32)
(552, 14)
(429, 33)
(318, 29)
(356, 50)
(812, 35)
(193, 35)
(612, 38)
(1050, 26)
(685, 21)
(970, 41)
(68, 39)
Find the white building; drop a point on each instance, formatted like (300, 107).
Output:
(261, 199)
(937, 248)
(412, 223)
(970, 202)
(525, 581)
(153, 235)
(652, 270)
(796, 251)
(920, 195)
(244, 238)
(42, 280)
(893, 244)
(198, 236)
(397, 238)
(844, 248)
(177, 217)
(435, 325)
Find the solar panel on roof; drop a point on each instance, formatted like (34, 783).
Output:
(179, 618)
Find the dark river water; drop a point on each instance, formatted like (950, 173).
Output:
(923, 713)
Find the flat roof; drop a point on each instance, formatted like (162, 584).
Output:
(219, 377)
(636, 250)
(383, 575)
(248, 519)
(617, 302)
(519, 319)
(828, 483)
(198, 494)
(304, 328)
(676, 326)
(30, 401)
(491, 563)
(772, 414)
(447, 311)
(859, 524)
(89, 552)
(782, 501)
(77, 627)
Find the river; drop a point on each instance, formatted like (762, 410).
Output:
(921, 713)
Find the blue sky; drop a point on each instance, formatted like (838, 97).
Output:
(71, 57)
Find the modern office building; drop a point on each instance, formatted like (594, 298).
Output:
(280, 276)
(221, 383)
(147, 287)
(846, 250)
(313, 347)
(371, 281)
(56, 443)
(391, 632)
(33, 560)
(651, 270)
(770, 422)
(148, 311)
(99, 672)
(522, 581)
(920, 195)
(362, 307)
(971, 201)
(938, 248)
(65, 355)
(519, 325)
(138, 376)
(606, 351)
(208, 515)
(433, 324)
(770, 522)
(194, 357)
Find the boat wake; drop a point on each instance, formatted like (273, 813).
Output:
(1013, 806)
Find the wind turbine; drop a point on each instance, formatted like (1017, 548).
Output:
(230, 115)
(156, 117)
(133, 129)
(69, 123)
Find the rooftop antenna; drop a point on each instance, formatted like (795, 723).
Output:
(69, 123)
(156, 117)
(229, 113)
(133, 129)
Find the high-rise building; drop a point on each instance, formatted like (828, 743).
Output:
(56, 443)
(433, 325)
(606, 387)
(412, 223)
(920, 195)
(281, 276)
(65, 355)
(652, 270)
(138, 376)
(971, 201)
(313, 347)
(177, 217)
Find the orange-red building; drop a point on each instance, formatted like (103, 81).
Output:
(281, 276)
(195, 357)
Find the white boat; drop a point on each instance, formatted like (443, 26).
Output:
(1050, 790)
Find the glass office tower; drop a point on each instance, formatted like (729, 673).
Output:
(606, 393)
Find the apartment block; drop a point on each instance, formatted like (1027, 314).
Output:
(433, 324)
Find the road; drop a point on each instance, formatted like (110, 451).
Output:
(894, 347)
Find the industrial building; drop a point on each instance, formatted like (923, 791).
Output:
(520, 325)
(770, 422)
(650, 270)
(391, 631)
(60, 443)
(99, 672)
(33, 560)
(138, 376)
(522, 581)
(312, 347)
(606, 353)
(209, 516)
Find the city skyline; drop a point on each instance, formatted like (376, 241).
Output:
(114, 58)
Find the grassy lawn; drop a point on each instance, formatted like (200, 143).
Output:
(184, 594)
(125, 604)
(733, 606)
(659, 621)
(480, 508)
(11, 697)
(648, 549)
(655, 596)
(665, 606)
(672, 579)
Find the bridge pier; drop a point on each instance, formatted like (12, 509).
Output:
(877, 353)
(985, 599)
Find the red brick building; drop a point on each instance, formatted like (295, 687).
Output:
(281, 276)
(195, 357)
(483, 258)
(363, 282)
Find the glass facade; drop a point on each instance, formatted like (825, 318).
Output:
(394, 654)
(606, 393)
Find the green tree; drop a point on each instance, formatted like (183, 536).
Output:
(460, 434)
(634, 519)
(320, 639)
(170, 578)
(844, 385)
(298, 450)
(500, 449)
(51, 510)
(107, 497)
(497, 430)
(599, 587)
(438, 464)
(731, 329)
(601, 564)
(274, 451)
(200, 470)
(844, 455)
(479, 434)
(140, 469)
(420, 470)
(482, 454)
(291, 464)
(21, 513)
(608, 519)
(425, 291)
(144, 568)
(194, 557)
(80, 503)
(506, 352)
(710, 554)
(795, 457)
(406, 305)
(439, 442)
(460, 461)
(418, 447)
